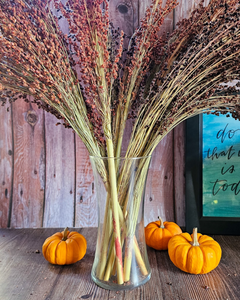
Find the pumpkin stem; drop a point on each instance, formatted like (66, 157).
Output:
(161, 222)
(195, 237)
(65, 233)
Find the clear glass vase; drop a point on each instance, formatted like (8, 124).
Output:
(121, 260)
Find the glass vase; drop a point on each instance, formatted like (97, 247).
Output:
(121, 260)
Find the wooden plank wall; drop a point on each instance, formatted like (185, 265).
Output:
(45, 173)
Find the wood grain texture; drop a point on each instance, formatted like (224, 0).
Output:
(126, 14)
(26, 275)
(29, 166)
(60, 175)
(179, 174)
(6, 160)
(86, 202)
(159, 191)
(182, 11)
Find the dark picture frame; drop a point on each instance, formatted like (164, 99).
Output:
(194, 192)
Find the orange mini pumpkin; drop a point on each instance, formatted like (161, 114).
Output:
(195, 254)
(64, 248)
(158, 234)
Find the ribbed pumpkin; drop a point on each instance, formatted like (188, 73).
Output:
(158, 234)
(64, 248)
(195, 254)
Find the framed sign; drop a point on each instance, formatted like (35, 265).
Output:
(213, 174)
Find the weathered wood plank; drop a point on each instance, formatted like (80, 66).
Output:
(182, 11)
(6, 159)
(86, 203)
(60, 174)
(25, 274)
(159, 190)
(179, 174)
(29, 166)
(125, 15)
(167, 25)
(59, 207)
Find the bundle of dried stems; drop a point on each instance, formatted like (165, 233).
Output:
(88, 79)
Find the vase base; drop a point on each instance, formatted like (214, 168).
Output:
(112, 285)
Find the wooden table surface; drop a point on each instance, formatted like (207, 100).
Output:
(25, 274)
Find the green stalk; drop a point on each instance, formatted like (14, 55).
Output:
(106, 233)
(132, 217)
(115, 215)
(139, 259)
(110, 261)
(119, 146)
(129, 236)
(116, 132)
(128, 257)
(118, 152)
(132, 214)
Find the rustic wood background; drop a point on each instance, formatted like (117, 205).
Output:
(45, 173)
